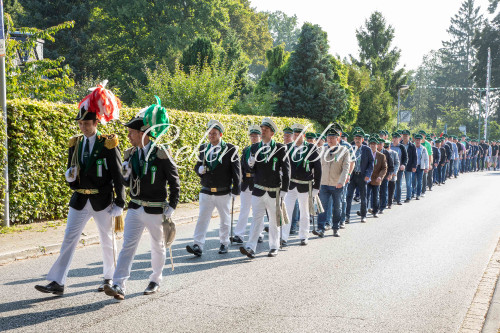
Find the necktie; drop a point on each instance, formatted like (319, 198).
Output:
(86, 152)
(142, 157)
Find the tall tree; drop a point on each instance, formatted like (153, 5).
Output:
(310, 89)
(284, 29)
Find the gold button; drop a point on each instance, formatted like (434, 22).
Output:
(87, 191)
(213, 189)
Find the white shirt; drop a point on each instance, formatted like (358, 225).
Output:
(91, 141)
(144, 150)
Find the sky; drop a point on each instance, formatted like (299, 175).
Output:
(419, 25)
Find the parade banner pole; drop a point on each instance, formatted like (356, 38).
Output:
(488, 78)
(3, 100)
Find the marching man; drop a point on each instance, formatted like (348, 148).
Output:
(94, 163)
(269, 161)
(219, 169)
(246, 186)
(305, 166)
(147, 169)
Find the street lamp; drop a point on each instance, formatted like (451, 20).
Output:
(403, 87)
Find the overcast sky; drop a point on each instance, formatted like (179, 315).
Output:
(419, 25)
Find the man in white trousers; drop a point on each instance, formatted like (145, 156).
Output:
(246, 187)
(219, 169)
(305, 166)
(269, 161)
(94, 174)
(147, 170)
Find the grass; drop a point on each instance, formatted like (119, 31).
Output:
(13, 229)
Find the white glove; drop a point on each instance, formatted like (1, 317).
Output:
(283, 194)
(315, 192)
(201, 170)
(251, 161)
(169, 211)
(70, 175)
(116, 211)
(126, 169)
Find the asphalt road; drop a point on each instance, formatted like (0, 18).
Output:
(414, 269)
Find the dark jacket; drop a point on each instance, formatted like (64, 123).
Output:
(160, 171)
(449, 151)
(436, 155)
(379, 169)
(390, 162)
(442, 150)
(222, 172)
(305, 166)
(412, 157)
(246, 171)
(271, 169)
(102, 172)
(366, 161)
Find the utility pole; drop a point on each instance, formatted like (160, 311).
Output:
(488, 77)
(479, 115)
(3, 102)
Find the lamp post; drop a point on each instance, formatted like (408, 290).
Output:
(403, 87)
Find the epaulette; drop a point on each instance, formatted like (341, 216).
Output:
(129, 152)
(111, 141)
(163, 152)
(73, 140)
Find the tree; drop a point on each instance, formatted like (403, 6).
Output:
(14, 9)
(277, 66)
(310, 89)
(284, 29)
(202, 50)
(375, 106)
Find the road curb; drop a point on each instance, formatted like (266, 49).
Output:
(39, 251)
(476, 316)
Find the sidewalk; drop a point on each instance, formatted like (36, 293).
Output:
(46, 237)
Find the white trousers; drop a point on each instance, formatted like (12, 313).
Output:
(207, 204)
(77, 219)
(303, 199)
(245, 206)
(259, 206)
(135, 222)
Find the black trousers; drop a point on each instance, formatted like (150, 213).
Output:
(391, 187)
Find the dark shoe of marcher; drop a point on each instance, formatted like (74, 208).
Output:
(114, 291)
(303, 242)
(52, 288)
(320, 234)
(293, 232)
(260, 240)
(248, 252)
(223, 249)
(389, 207)
(399, 203)
(357, 199)
(363, 220)
(266, 229)
(237, 240)
(273, 253)
(417, 198)
(407, 200)
(106, 281)
(381, 212)
(283, 243)
(359, 213)
(151, 288)
(195, 249)
(336, 233)
(347, 221)
(375, 215)
(370, 210)
(342, 226)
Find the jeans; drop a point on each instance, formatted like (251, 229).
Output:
(419, 175)
(373, 194)
(443, 172)
(344, 204)
(295, 215)
(399, 186)
(331, 199)
(391, 188)
(457, 168)
(357, 182)
(409, 180)
(384, 188)
(424, 182)
(430, 178)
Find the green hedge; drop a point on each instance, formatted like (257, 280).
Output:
(38, 135)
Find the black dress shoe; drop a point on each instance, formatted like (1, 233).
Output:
(266, 229)
(151, 288)
(114, 291)
(320, 233)
(237, 240)
(223, 249)
(293, 232)
(303, 242)
(260, 240)
(417, 198)
(284, 243)
(347, 221)
(195, 249)
(248, 252)
(336, 233)
(399, 203)
(52, 288)
(375, 215)
(273, 253)
(359, 213)
(407, 200)
(106, 281)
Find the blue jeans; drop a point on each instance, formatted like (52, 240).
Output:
(443, 172)
(419, 174)
(295, 215)
(331, 199)
(357, 182)
(384, 193)
(344, 204)
(399, 186)
(409, 179)
(373, 194)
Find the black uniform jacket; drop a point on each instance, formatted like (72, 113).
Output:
(271, 168)
(222, 172)
(389, 161)
(305, 164)
(149, 182)
(246, 171)
(102, 172)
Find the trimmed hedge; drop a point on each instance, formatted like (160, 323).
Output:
(38, 136)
